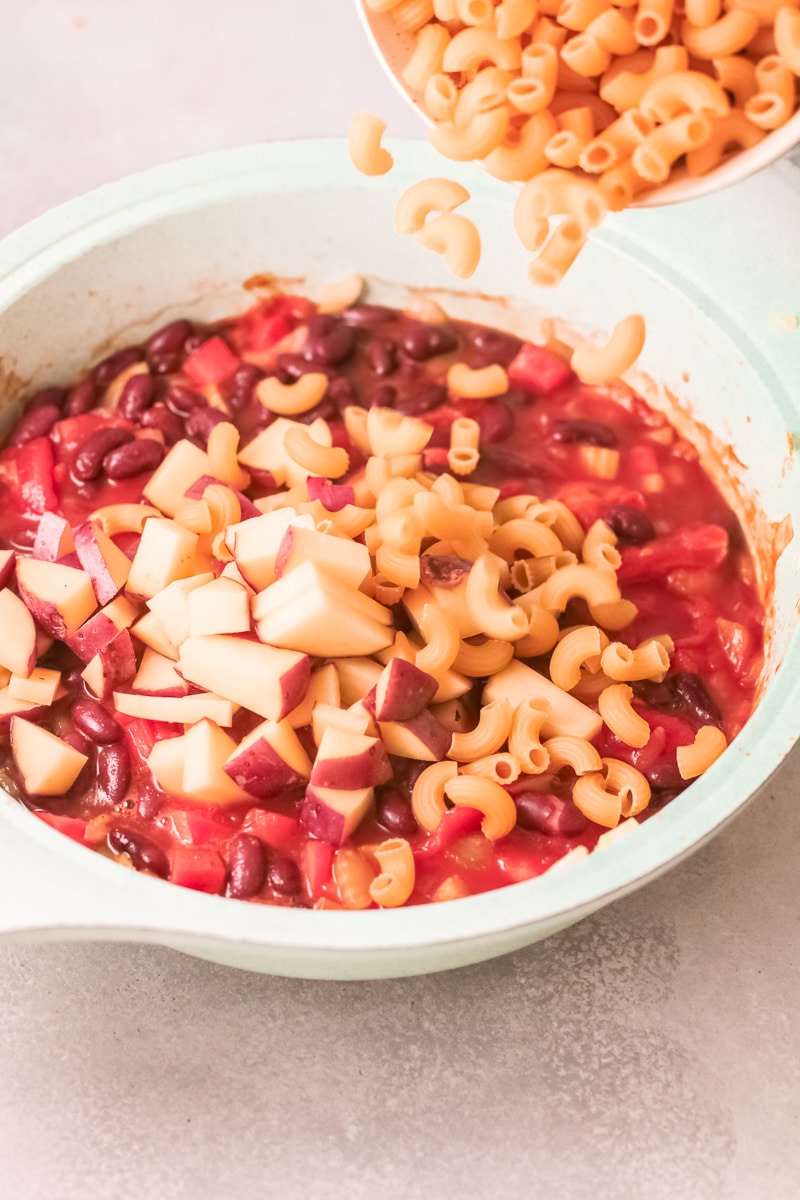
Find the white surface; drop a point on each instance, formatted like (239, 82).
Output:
(652, 1051)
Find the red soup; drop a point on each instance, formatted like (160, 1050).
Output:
(294, 612)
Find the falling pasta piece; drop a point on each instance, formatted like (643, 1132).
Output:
(601, 364)
(364, 143)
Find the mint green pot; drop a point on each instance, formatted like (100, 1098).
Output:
(711, 277)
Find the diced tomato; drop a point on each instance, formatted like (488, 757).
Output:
(198, 828)
(276, 829)
(455, 824)
(538, 369)
(316, 867)
(198, 868)
(688, 547)
(210, 363)
(267, 324)
(142, 735)
(35, 483)
(73, 827)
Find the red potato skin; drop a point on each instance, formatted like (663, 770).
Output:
(322, 821)
(49, 534)
(93, 563)
(403, 691)
(119, 663)
(44, 612)
(28, 714)
(429, 732)
(294, 686)
(195, 492)
(369, 769)
(92, 636)
(260, 770)
(284, 552)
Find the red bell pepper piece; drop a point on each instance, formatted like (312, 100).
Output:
(703, 546)
(456, 823)
(210, 363)
(198, 868)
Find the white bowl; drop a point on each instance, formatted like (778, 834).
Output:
(393, 48)
(180, 239)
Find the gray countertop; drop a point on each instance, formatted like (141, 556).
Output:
(653, 1051)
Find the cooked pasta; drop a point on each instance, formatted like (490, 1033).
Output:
(648, 661)
(395, 883)
(329, 462)
(525, 738)
(494, 616)
(575, 650)
(615, 706)
(694, 759)
(291, 399)
(489, 798)
(491, 732)
(567, 750)
(428, 793)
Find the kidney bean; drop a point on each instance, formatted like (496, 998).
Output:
(368, 316)
(393, 812)
(169, 339)
(46, 397)
(89, 459)
(444, 570)
(96, 722)
(663, 775)
(142, 454)
(630, 524)
(283, 875)
(159, 417)
(691, 691)
(201, 421)
(291, 366)
(422, 399)
(426, 341)
(247, 867)
(35, 423)
(149, 802)
(238, 389)
(587, 433)
(329, 340)
(81, 398)
(182, 400)
(381, 358)
(113, 772)
(496, 423)
(684, 692)
(543, 812)
(341, 392)
(143, 853)
(493, 345)
(108, 370)
(383, 396)
(138, 394)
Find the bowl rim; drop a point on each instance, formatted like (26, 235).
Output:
(564, 894)
(381, 34)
